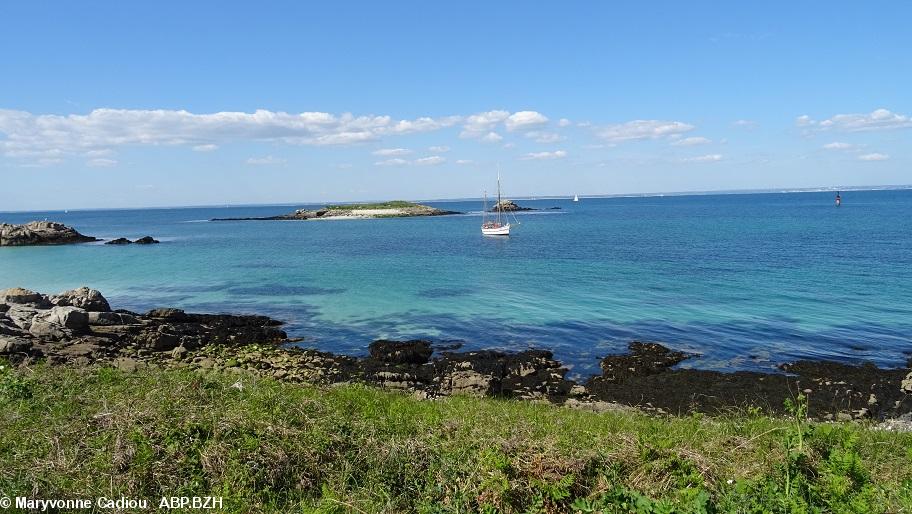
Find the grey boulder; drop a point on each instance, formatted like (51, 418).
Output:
(85, 298)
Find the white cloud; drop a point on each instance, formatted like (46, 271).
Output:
(838, 146)
(704, 158)
(390, 152)
(265, 161)
(433, 160)
(643, 129)
(439, 149)
(524, 120)
(27, 135)
(544, 137)
(482, 125)
(564, 122)
(477, 125)
(205, 148)
(880, 119)
(492, 137)
(804, 120)
(392, 162)
(465, 161)
(101, 163)
(874, 157)
(541, 156)
(745, 123)
(692, 141)
(99, 153)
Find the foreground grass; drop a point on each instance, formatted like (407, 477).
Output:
(267, 446)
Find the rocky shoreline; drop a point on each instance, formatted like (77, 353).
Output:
(79, 328)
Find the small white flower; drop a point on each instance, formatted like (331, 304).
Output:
(730, 481)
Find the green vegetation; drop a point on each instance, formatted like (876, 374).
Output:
(394, 204)
(266, 446)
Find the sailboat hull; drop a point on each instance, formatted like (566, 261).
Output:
(496, 231)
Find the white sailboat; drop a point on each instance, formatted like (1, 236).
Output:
(495, 227)
(575, 198)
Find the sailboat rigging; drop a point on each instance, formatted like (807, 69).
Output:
(495, 227)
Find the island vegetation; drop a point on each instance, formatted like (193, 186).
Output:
(392, 204)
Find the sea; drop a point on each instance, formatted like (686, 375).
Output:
(743, 281)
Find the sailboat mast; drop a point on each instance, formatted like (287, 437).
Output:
(484, 210)
(499, 205)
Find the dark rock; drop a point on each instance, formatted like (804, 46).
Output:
(49, 331)
(89, 299)
(146, 240)
(40, 233)
(112, 318)
(119, 241)
(168, 314)
(651, 383)
(401, 352)
(9, 345)
(158, 339)
(644, 359)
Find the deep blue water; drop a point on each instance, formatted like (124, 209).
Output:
(746, 280)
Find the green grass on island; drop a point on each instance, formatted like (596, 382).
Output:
(393, 204)
(267, 446)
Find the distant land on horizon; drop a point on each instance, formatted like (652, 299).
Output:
(896, 187)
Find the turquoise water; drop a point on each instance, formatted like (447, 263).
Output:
(746, 280)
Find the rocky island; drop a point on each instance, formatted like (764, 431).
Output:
(392, 209)
(509, 206)
(40, 233)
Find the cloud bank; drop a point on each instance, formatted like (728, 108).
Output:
(880, 119)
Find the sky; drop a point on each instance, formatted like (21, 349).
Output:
(130, 104)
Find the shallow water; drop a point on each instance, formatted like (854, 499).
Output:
(746, 280)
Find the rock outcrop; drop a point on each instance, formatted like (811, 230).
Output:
(509, 206)
(646, 378)
(78, 326)
(90, 300)
(40, 233)
(145, 240)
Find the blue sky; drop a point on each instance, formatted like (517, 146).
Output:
(119, 104)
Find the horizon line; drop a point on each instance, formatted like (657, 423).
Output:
(710, 192)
